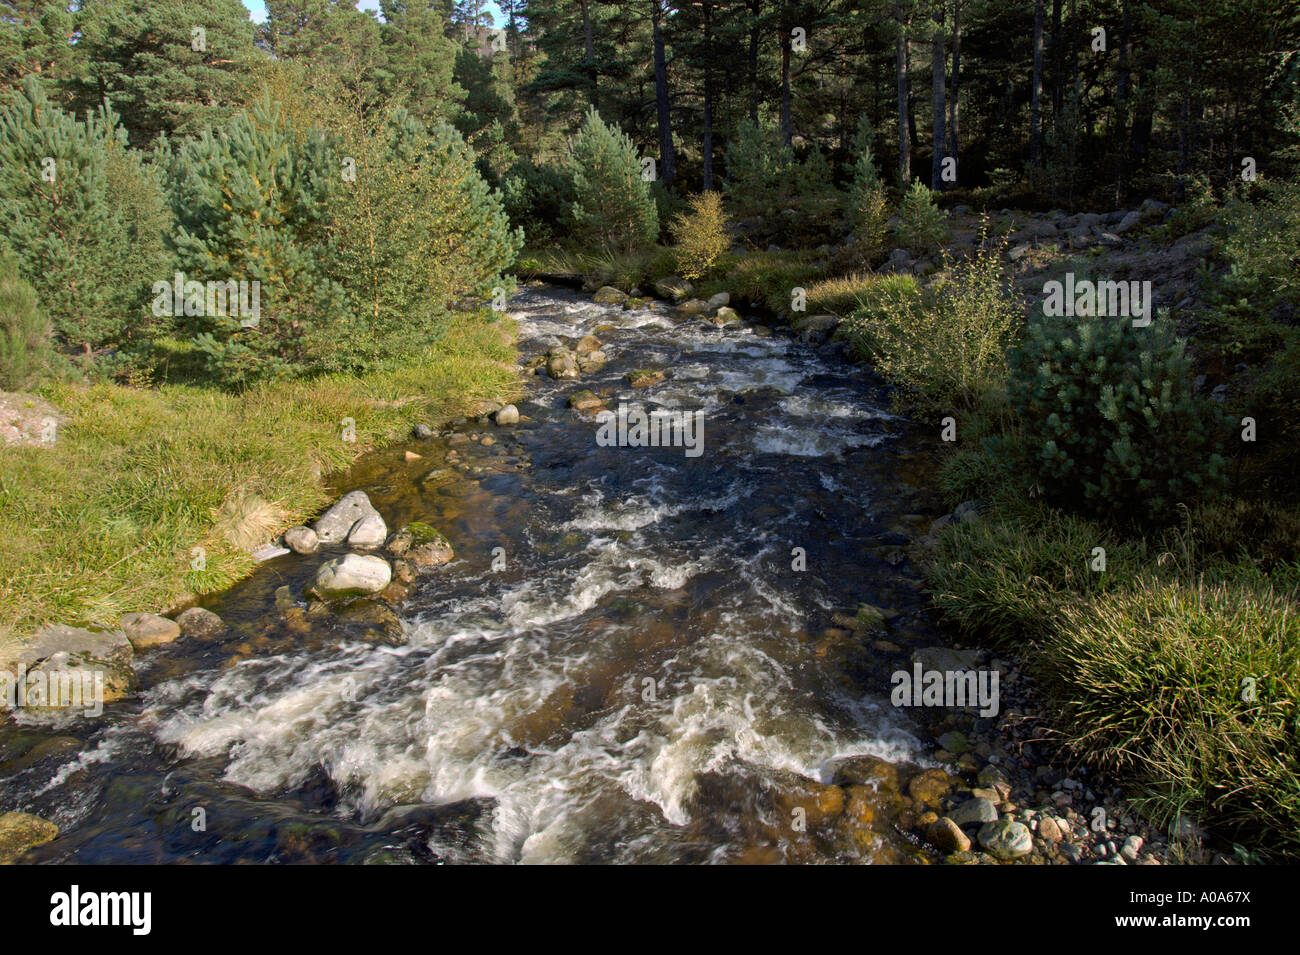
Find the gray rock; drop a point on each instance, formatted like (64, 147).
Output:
(368, 533)
(422, 431)
(20, 831)
(945, 658)
(269, 552)
(197, 622)
(507, 415)
(1018, 252)
(1005, 839)
(301, 540)
(608, 295)
(946, 836)
(352, 575)
(1132, 846)
(149, 629)
(719, 300)
(726, 316)
(1125, 224)
(975, 811)
(562, 366)
(334, 525)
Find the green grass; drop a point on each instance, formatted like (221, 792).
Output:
(1143, 665)
(105, 521)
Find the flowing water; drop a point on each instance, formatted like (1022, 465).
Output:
(624, 663)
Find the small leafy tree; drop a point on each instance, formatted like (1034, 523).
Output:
(868, 199)
(1109, 417)
(253, 203)
(24, 330)
(701, 236)
(613, 206)
(920, 223)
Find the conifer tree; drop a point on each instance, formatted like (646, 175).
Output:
(868, 201)
(614, 207)
(64, 216)
(252, 203)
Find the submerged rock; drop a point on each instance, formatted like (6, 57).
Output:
(585, 401)
(421, 545)
(352, 575)
(20, 831)
(644, 377)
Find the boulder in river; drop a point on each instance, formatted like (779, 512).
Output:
(507, 415)
(352, 575)
(368, 533)
(301, 540)
(198, 622)
(149, 629)
(726, 315)
(719, 300)
(561, 364)
(946, 836)
(422, 545)
(585, 401)
(592, 361)
(334, 525)
(608, 295)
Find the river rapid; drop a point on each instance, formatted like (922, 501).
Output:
(632, 657)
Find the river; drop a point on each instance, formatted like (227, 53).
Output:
(631, 659)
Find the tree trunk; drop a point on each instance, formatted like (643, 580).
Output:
(938, 89)
(1058, 99)
(667, 155)
(755, 13)
(787, 131)
(954, 139)
(589, 52)
(900, 58)
(1036, 101)
(708, 96)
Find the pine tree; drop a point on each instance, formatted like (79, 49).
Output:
(64, 215)
(24, 330)
(166, 66)
(252, 203)
(418, 231)
(614, 207)
(868, 201)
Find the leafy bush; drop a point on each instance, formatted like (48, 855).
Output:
(24, 330)
(945, 344)
(613, 206)
(701, 236)
(868, 200)
(920, 228)
(1108, 414)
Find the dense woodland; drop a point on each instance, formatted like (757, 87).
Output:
(388, 179)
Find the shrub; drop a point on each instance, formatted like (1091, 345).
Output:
(868, 200)
(24, 331)
(920, 227)
(613, 206)
(1109, 417)
(701, 236)
(945, 344)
